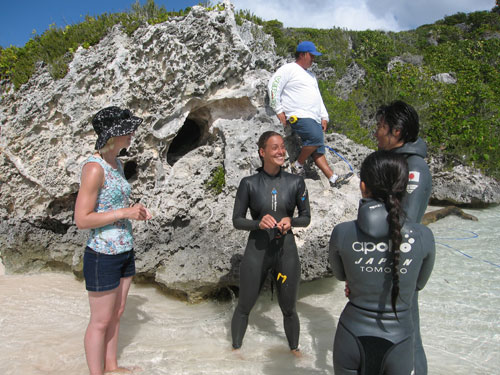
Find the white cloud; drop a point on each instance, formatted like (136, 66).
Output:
(411, 14)
(394, 15)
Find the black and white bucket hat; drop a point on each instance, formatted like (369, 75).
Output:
(113, 122)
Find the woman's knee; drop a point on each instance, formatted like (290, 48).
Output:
(101, 323)
(119, 312)
(288, 309)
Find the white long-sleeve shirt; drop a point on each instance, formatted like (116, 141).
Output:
(295, 91)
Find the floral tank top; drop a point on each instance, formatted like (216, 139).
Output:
(117, 237)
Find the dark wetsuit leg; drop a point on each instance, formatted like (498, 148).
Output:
(370, 355)
(346, 352)
(420, 358)
(288, 265)
(253, 272)
(399, 359)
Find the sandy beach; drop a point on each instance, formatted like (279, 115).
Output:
(43, 318)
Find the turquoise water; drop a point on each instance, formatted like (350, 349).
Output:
(43, 318)
(462, 300)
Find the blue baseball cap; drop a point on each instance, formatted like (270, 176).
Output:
(307, 46)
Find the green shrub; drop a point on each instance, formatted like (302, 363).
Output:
(56, 45)
(240, 15)
(217, 180)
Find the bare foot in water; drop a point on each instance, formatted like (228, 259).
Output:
(297, 353)
(122, 371)
(237, 353)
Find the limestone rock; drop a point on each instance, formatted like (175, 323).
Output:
(406, 58)
(200, 83)
(444, 78)
(350, 80)
(433, 216)
(462, 186)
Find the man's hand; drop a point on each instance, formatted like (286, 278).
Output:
(281, 116)
(324, 125)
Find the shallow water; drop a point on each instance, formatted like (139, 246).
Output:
(43, 318)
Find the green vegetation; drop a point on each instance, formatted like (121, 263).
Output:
(217, 180)
(56, 46)
(459, 121)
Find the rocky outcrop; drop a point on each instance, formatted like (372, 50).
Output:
(350, 80)
(406, 58)
(200, 83)
(433, 216)
(462, 185)
(447, 78)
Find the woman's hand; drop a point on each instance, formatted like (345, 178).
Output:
(284, 225)
(347, 291)
(136, 212)
(267, 222)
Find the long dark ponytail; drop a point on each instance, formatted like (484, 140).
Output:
(385, 174)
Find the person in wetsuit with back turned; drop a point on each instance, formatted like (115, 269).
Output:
(384, 260)
(272, 196)
(397, 131)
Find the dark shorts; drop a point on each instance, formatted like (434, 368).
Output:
(311, 133)
(103, 272)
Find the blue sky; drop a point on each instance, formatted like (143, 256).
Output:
(18, 18)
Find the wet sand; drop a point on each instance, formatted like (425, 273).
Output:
(43, 318)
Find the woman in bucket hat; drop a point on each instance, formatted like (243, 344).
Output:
(103, 206)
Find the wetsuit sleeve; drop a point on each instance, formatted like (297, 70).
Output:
(275, 88)
(418, 191)
(302, 202)
(429, 247)
(240, 209)
(334, 254)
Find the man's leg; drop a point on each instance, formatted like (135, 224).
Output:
(305, 153)
(322, 164)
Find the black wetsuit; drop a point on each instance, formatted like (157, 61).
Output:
(369, 339)
(419, 182)
(267, 250)
(415, 203)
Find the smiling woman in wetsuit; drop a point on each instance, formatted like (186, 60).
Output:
(272, 196)
(384, 258)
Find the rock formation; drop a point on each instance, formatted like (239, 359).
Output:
(433, 216)
(200, 83)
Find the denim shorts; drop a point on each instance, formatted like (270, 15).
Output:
(311, 133)
(103, 271)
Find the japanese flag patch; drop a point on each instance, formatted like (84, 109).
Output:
(414, 176)
(413, 180)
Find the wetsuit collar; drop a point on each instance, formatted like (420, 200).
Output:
(270, 175)
(419, 147)
(372, 218)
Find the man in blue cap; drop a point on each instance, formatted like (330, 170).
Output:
(296, 99)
